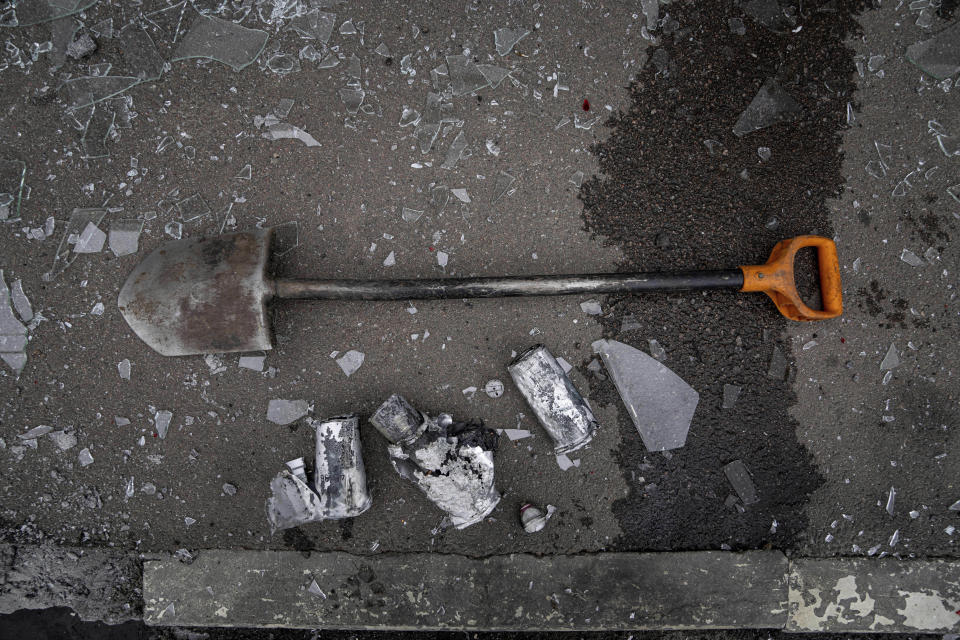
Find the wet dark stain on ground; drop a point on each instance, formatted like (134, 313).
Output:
(673, 168)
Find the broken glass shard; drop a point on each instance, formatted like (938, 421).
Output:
(661, 405)
(778, 365)
(140, 56)
(245, 174)
(283, 412)
(591, 308)
(350, 362)
(90, 240)
(911, 258)
(254, 363)
(455, 151)
(79, 220)
(282, 110)
(770, 106)
(352, 98)
(461, 195)
(286, 238)
(657, 351)
(123, 368)
(85, 91)
(314, 25)
(730, 394)
(23, 13)
(739, 477)
(329, 61)
(443, 258)
(465, 77)
(174, 229)
(12, 176)
(493, 74)
(409, 116)
(891, 500)
(629, 323)
(410, 215)
(353, 67)
(348, 29)
(938, 56)
(769, 14)
(85, 458)
(576, 179)
(383, 50)
(20, 301)
(506, 39)
(282, 63)
(124, 236)
(13, 335)
(161, 421)
(502, 185)
(891, 360)
(426, 134)
(390, 260)
(223, 41)
(103, 29)
(439, 196)
(288, 131)
(586, 123)
(194, 209)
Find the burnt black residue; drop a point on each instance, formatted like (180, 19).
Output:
(672, 168)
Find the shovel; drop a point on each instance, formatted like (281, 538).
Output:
(209, 295)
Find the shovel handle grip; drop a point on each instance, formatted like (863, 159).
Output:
(776, 279)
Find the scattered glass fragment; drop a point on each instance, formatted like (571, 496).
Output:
(591, 308)
(502, 185)
(564, 462)
(764, 153)
(82, 47)
(329, 61)
(254, 363)
(505, 39)
(492, 148)
(352, 98)
(314, 25)
(283, 130)
(161, 422)
(892, 359)
(494, 388)
(770, 106)
(661, 405)
(911, 258)
(426, 133)
(124, 236)
(140, 56)
(383, 50)
(584, 124)
(97, 309)
(657, 350)
(174, 229)
(79, 219)
(245, 174)
(465, 77)
(730, 394)
(85, 458)
(516, 434)
(439, 196)
(350, 361)
(64, 440)
(454, 152)
(925, 18)
(629, 323)
(124, 368)
(87, 90)
(410, 215)
(493, 74)
(443, 258)
(576, 179)
(12, 176)
(938, 56)
(461, 195)
(286, 238)
(20, 301)
(36, 432)
(282, 110)
(284, 412)
(875, 62)
(955, 506)
(390, 260)
(24, 13)
(229, 489)
(771, 223)
(894, 539)
(739, 477)
(409, 116)
(891, 500)
(13, 335)
(778, 365)
(223, 41)
(90, 240)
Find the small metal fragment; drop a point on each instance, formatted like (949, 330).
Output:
(398, 421)
(532, 518)
(739, 476)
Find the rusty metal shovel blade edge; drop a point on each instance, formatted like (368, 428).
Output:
(202, 295)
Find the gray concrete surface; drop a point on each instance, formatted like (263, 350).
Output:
(870, 430)
(873, 596)
(701, 590)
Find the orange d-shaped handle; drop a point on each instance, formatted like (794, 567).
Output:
(776, 279)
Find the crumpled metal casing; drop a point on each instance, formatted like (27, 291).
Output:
(339, 477)
(558, 405)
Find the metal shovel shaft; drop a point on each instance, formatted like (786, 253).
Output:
(510, 286)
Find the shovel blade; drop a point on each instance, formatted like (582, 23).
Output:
(202, 295)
